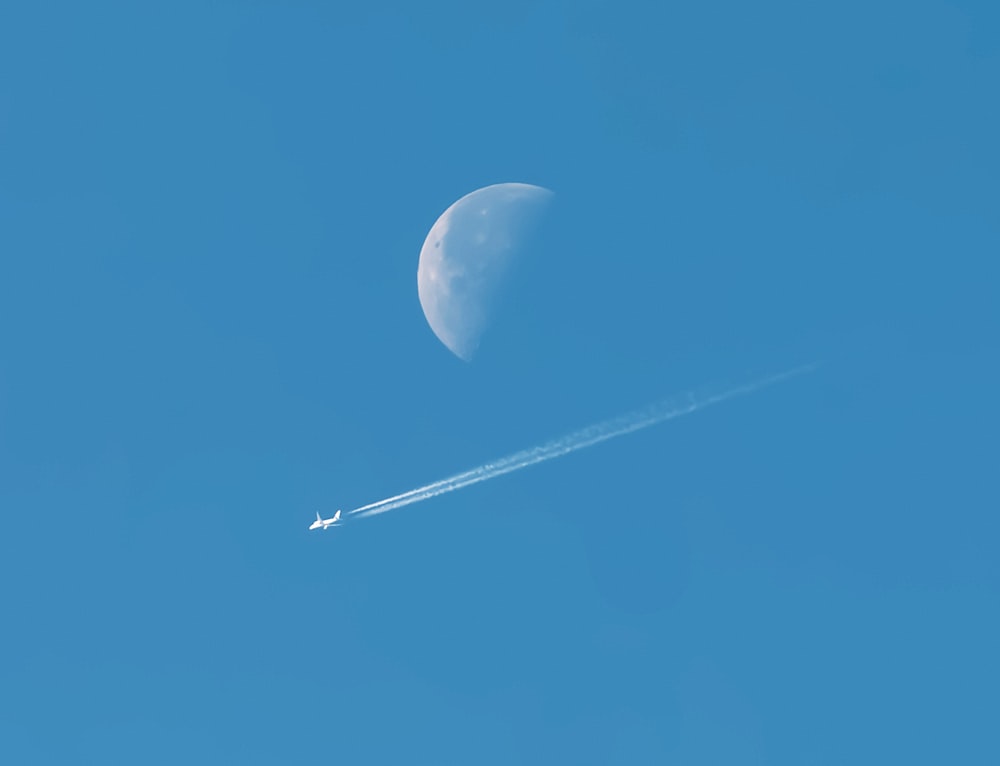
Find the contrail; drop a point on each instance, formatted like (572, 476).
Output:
(585, 437)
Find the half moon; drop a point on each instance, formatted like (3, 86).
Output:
(467, 258)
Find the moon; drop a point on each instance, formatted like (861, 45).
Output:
(468, 256)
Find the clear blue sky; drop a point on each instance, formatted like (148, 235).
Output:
(210, 217)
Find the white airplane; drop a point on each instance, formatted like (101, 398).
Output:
(322, 523)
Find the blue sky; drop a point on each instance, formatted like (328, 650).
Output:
(210, 217)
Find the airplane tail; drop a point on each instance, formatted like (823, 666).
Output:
(318, 517)
(336, 516)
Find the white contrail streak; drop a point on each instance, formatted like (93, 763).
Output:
(585, 437)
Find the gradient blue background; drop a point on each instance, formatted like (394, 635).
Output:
(210, 216)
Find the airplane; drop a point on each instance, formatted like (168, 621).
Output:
(322, 523)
